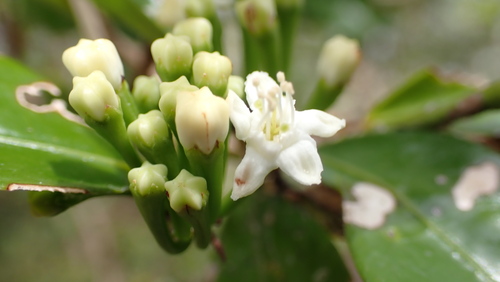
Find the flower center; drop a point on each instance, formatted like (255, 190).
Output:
(277, 107)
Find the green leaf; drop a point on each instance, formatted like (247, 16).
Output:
(268, 239)
(130, 16)
(426, 238)
(46, 149)
(424, 99)
(486, 123)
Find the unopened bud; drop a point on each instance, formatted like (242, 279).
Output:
(202, 120)
(338, 60)
(91, 55)
(92, 95)
(173, 56)
(199, 30)
(146, 92)
(212, 70)
(200, 8)
(147, 179)
(187, 191)
(170, 12)
(257, 16)
(148, 130)
(168, 100)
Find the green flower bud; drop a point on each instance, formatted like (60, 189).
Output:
(257, 16)
(146, 92)
(169, 12)
(92, 95)
(212, 70)
(148, 130)
(91, 55)
(147, 179)
(173, 56)
(199, 30)
(338, 60)
(200, 8)
(202, 120)
(187, 191)
(237, 84)
(168, 100)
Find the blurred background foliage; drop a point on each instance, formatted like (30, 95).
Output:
(105, 239)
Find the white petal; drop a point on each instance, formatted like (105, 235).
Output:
(250, 173)
(239, 115)
(318, 123)
(301, 161)
(265, 83)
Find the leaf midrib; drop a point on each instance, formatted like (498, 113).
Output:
(62, 150)
(406, 203)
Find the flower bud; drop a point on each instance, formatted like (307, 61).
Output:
(170, 12)
(202, 120)
(148, 130)
(168, 100)
(173, 56)
(257, 16)
(338, 60)
(200, 8)
(199, 30)
(237, 85)
(212, 70)
(91, 55)
(187, 191)
(146, 179)
(92, 95)
(146, 92)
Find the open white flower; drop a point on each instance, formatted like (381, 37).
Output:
(277, 135)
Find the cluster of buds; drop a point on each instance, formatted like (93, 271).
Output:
(172, 127)
(175, 124)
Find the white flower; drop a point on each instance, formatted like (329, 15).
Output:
(277, 135)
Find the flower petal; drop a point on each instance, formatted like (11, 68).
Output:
(301, 161)
(239, 115)
(265, 83)
(250, 173)
(318, 123)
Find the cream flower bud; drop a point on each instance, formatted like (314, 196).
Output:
(212, 70)
(338, 60)
(200, 8)
(146, 179)
(148, 130)
(91, 55)
(257, 16)
(199, 30)
(168, 100)
(146, 92)
(173, 56)
(92, 95)
(187, 190)
(202, 120)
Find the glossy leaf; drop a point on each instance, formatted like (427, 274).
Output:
(268, 239)
(424, 99)
(486, 123)
(49, 150)
(426, 238)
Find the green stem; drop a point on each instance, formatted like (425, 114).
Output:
(114, 131)
(269, 45)
(152, 208)
(289, 18)
(129, 108)
(251, 53)
(323, 96)
(211, 167)
(201, 226)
